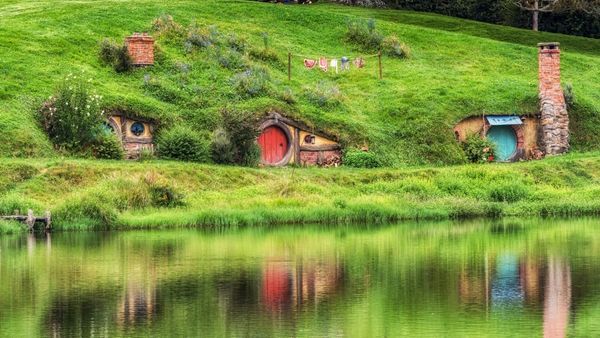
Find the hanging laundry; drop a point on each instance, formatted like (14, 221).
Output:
(309, 63)
(334, 64)
(345, 63)
(359, 62)
(323, 64)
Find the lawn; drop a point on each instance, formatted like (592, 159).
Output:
(458, 68)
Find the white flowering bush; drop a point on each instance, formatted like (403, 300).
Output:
(73, 116)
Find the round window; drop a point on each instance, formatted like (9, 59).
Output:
(137, 128)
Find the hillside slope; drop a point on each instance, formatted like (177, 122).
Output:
(458, 68)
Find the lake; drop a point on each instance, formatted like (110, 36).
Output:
(521, 278)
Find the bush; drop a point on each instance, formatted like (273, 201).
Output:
(115, 56)
(508, 192)
(478, 149)
(393, 47)
(231, 59)
(73, 117)
(357, 158)
(288, 96)
(202, 37)
(569, 96)
(108, 51)
(184, 144)
(108, 147)
(162, 193)
(252, 82)
(324, 94)
(236, 43)
(235, 141)
(363, 33)
(166, 26)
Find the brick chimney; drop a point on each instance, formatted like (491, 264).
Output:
(141, 49)
(553, 109)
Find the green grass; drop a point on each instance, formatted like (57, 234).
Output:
(458, 68)
(108, 195)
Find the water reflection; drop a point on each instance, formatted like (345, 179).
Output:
(392, 281)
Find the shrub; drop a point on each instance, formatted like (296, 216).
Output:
(236, 43)
(569, 96)
(162, 193)
(231, 59)
(478, 149)
(324, 94)
(73, 117)
(252, 82)
(363, 33)
(222, 149)
(508, 192)
(266, 55)
(357, 158)
(108, 51)
(288, 96)
(123, 62)
(115, 56)
(108, 147)
(393, 47)
(185, 144)
(202, 37)
(235, 141)
(166, 26)
(146, 154)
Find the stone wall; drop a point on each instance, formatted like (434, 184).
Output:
(554, 118)
(141, 49)
(324, 158)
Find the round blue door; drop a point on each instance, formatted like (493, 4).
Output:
(505, 139)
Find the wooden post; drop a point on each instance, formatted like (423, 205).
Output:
(380, 70)
(48, 218)
(30, 221)
(289, 66)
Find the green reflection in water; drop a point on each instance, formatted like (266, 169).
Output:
(516, 278)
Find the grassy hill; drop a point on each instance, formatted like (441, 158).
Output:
(458, 68)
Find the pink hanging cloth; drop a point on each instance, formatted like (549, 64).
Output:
(323, 64)
(359, 62)
(310, 64)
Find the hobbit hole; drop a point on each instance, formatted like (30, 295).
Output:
(136, 135)
(528, 137)
(274, 145)
(284, 141)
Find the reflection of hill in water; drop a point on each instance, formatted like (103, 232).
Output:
(393, 280)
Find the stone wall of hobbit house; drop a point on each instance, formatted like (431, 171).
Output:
(136, 135)
(553, 108)
(141, 49)
(301, 145)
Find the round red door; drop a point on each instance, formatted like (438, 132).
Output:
(273, 144)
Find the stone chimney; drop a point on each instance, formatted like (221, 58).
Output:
(141, 49)
(553, 109)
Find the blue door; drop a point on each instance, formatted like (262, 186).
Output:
(505, 139)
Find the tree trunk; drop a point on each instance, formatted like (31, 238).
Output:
(536, 16)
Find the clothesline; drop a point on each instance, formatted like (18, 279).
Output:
(332, 57)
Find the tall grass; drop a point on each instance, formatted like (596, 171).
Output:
(157, 194)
